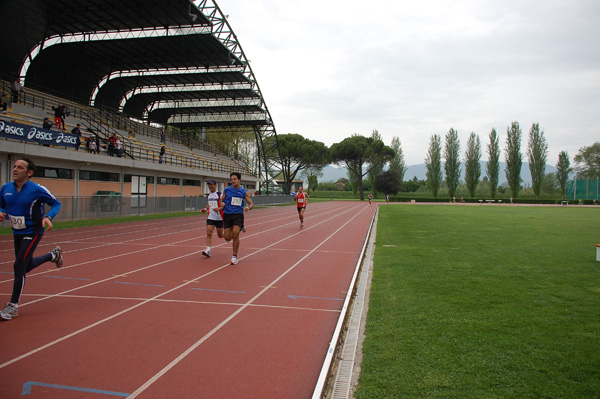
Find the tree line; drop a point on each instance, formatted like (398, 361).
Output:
(366, 157)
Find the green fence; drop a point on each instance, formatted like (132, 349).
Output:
(583, 189)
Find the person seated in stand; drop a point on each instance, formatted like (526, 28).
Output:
(47, 124)
(3, 105)
(77, 130)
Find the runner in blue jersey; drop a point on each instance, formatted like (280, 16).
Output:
(22, 202)
(232, 204)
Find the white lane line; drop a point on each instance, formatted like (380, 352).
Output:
(167, 368)
(39, 349)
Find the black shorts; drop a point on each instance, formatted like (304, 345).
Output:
(217, 223)
(300, 208)
(233, 219)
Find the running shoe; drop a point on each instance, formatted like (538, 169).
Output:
(206, 253)
(58, 259)
(301, 224)
(243, 229)
(234, 260)
(10, 311)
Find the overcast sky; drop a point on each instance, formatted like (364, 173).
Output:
(331, 68)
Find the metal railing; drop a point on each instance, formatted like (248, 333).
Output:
(115, 205)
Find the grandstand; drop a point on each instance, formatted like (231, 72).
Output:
(130, 68)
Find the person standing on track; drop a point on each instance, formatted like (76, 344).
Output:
(215, 216)
(301, 199)
(232, 204)
(23, 202)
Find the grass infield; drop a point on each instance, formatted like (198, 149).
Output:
(483, 302)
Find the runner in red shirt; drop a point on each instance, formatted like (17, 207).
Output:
(301, 199)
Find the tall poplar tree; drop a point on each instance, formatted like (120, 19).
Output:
(472, 163)
(537, 153)
(378, 168)
(433, 163)
(493, 165)
(563, 168)
(452, 165)
(513, 158)
(398, 163)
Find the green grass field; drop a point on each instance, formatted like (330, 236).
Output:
(484, 302)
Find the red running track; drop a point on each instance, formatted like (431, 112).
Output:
(136, 311)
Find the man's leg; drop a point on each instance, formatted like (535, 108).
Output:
(235, 236)
(25, 262)
(209, 232)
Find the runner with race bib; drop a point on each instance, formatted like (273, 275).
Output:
(215, 216)
(232, 204)
(22, 202)
(301, 199)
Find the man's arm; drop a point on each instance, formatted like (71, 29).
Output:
(250, 203)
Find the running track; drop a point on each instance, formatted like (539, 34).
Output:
(138, 312)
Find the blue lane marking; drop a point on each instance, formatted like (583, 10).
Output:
(69, 278)
(27, 389)
(315, 297)
(147, 285)
(207, 289)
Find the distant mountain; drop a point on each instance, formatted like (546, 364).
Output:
(332, 173)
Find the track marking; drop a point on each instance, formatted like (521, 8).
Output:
(148, 300)
(315, 297)
(146, 285)
(27, 389)
(176, 361)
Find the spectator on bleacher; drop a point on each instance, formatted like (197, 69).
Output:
(161, 158)
(47, 124)
(118, 147)
(112, 141)
(77, 130)
(92, 145)
(16, 89)
(59, 116)
(3, 105)
(163, 135)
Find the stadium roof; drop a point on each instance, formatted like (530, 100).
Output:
(165, 61)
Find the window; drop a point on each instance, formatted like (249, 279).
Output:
(187, 182)
(53, 173)
(168, 180)
(98, 176)
(149, 179)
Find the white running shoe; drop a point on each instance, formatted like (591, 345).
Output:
(58, 259)
(234, 260)
(10, 311)
(206, 253)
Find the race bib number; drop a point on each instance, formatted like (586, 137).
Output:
(213, 204)
(300, 200)
(17, 222)
(236, 201)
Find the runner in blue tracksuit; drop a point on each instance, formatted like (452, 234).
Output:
(232, 204)
(22, 202)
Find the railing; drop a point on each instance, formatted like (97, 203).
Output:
(100, 122)
(103, 206)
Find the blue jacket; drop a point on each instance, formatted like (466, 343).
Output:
(25, 209)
